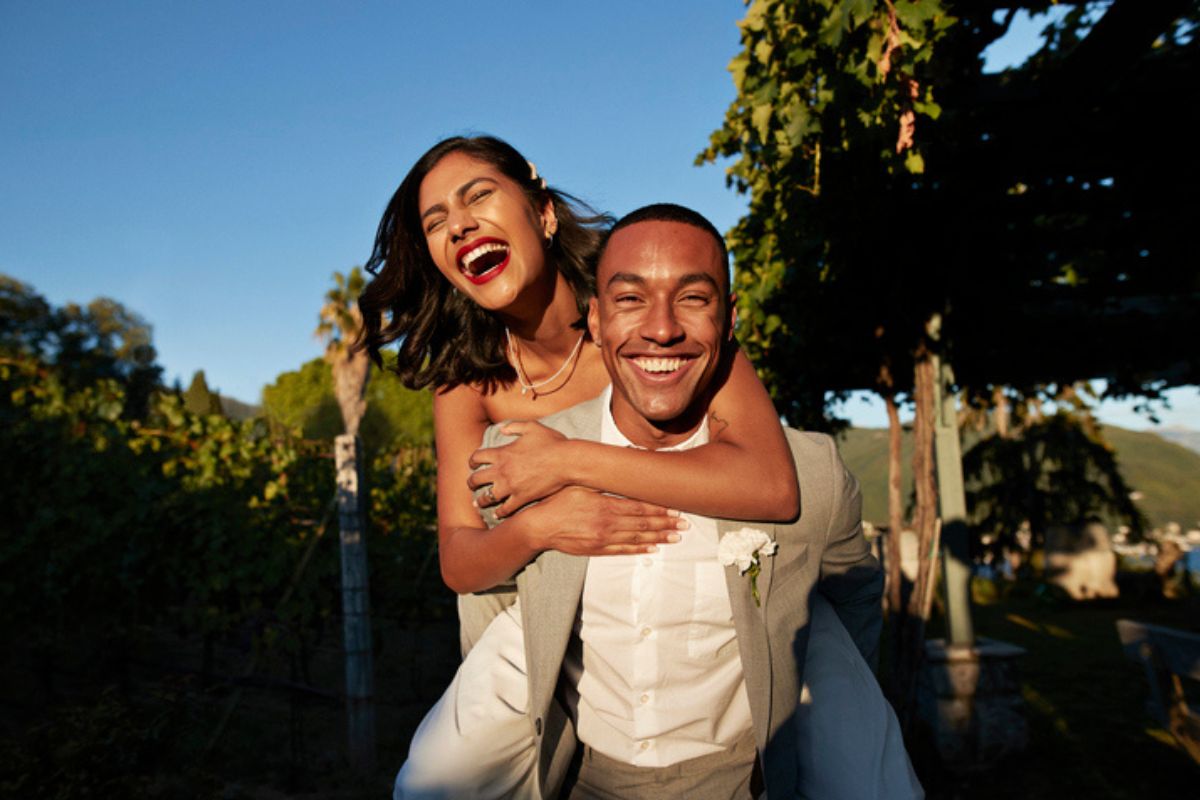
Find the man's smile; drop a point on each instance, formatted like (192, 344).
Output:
(661, 367)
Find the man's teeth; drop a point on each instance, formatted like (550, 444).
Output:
(659, 364)
(483, 249)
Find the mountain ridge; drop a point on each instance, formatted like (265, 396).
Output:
(1165, 473)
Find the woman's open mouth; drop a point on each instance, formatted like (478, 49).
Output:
(483, 259)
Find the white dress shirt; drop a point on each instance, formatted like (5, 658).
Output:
(654, 670)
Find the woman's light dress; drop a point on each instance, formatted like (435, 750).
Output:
(477, 742)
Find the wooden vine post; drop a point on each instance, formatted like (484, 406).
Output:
(356, 607)
(340, 322)
(952, 501)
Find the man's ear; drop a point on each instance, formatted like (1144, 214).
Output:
(733, 318)
(594, 320)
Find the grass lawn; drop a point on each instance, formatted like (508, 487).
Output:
(1089, 734)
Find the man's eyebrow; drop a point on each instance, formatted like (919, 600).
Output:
(462, 190)
(626, 277)
(699, 277)
(684, 280)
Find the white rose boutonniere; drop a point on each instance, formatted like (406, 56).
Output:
(745, 547)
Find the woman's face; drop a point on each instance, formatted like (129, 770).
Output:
(482, 232)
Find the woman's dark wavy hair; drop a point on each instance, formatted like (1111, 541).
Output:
(445, 338)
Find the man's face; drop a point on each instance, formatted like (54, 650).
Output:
(661, 318)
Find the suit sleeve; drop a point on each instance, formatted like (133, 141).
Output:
(851, 578)
(476, 611)
(492, 437)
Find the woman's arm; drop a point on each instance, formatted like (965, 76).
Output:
(578, 521)
(744, 472)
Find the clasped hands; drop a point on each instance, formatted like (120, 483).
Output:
(539, 465)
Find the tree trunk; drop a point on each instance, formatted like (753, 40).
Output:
(350, 374)
(923, 472)
(356, 613)
(894, 683)
(925, 522)
(895, 508)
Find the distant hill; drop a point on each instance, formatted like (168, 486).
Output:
(1181, 436)
(865, 452)
(1166, 474)
(237, 410)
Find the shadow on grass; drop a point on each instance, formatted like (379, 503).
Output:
(1089, 733)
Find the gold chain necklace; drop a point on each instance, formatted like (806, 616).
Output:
(523, 378)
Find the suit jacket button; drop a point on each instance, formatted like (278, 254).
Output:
(537, 726)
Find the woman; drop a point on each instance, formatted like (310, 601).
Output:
(485, 273)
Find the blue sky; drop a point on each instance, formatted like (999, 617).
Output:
(210, 165)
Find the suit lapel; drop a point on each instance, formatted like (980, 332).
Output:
(749, 621)
(549, 600)
(740, 584)
(552, 586)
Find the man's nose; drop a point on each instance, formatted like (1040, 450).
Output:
(660, 325)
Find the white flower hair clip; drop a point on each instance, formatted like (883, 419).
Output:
(746, 547)
(533, 175)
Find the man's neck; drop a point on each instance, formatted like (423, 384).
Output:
(652, 435)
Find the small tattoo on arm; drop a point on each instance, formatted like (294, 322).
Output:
(716, 425)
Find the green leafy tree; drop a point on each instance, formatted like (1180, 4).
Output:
(199, 399)
(303, 400)
(340, 323)
(1056, 471)
(829, 95)
(119, 529)
(891, 180)
(103, 340)
(26, 319)
(907, 210)
(112, 523)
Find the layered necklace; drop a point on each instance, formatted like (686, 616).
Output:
(514, 358)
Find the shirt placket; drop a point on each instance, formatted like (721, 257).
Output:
(645, 597)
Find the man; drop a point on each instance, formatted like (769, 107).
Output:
(678, 675)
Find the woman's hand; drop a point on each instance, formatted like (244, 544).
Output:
(584, 522)
(530, 468)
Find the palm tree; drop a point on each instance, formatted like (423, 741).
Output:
(340, 321)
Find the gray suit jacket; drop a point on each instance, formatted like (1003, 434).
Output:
(823, 550)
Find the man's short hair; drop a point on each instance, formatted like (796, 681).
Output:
(671, 212)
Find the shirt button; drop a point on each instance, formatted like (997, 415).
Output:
(646, 632)
(645, 745)
(645, 698)
(647, 562)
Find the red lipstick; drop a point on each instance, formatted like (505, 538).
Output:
(486, 265)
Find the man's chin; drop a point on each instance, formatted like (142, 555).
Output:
(659, 411)
(673, 417)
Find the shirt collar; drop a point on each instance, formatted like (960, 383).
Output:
(611, 434)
